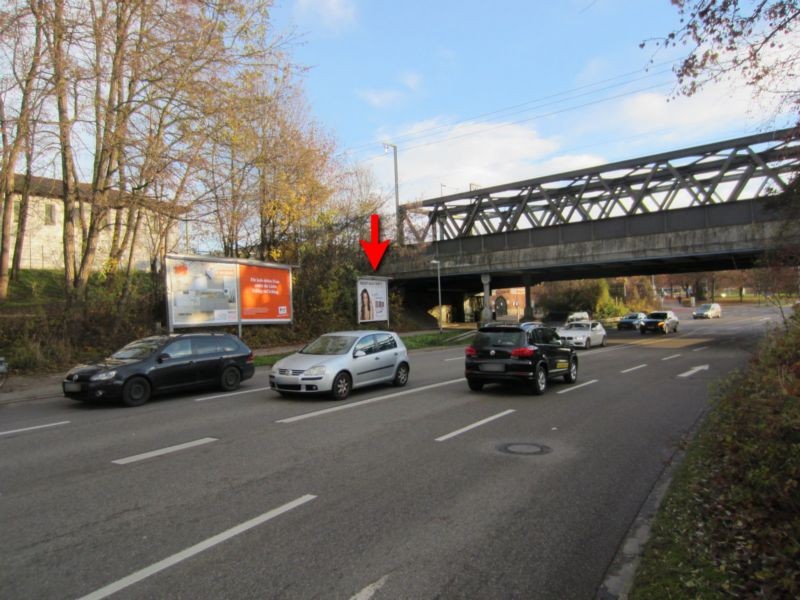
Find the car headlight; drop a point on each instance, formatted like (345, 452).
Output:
(103, 376)
(317, 371)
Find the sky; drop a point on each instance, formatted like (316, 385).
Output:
(478, 93)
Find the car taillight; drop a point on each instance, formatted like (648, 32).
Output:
(470, 351)
(249, 357)
(525, 352)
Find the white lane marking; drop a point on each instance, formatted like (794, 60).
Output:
(232, 394)
(474, 425)
(694, 370)
(575, 387)
(112, 588)
(33, 428)
(369, 591)
(634, 368)
(671, 357)
(146, 455)
(326, 411)
(456, 358)
(700, 348)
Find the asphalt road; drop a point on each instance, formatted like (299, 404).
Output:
(427, 491)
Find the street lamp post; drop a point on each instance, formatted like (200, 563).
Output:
(398, 218)
(439, 286)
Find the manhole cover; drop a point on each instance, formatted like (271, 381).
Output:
(524, 448)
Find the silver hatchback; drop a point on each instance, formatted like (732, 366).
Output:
(339, 362)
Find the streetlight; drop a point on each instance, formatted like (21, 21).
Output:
(393, 148)
(439, 286)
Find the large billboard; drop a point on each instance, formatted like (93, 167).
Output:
(203, 291)
(373, 299)
(266, 293)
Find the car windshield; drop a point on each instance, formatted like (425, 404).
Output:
(330, 345)
(138, 349)
(631, 316)
(511, 339)
(705, 307)
(578, 326)
(657, 315)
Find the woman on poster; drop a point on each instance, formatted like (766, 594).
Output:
(366, 312)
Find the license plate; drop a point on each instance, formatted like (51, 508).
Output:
(561, 364)
(72, 387)
(493, 368)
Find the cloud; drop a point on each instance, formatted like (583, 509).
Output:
(411, 82)
(333, 15)
(380, 98)
(464, 155)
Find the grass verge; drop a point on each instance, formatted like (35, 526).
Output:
(730, 524)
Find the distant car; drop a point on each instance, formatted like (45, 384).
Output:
(515, 354)
(663, 321)
(578, 316)
(162, 363)
(583, 334)
(631, 321)
(339, 362)
(708, 311)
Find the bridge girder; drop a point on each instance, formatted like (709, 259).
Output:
(749, 167)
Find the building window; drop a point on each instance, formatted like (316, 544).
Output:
(50, 214)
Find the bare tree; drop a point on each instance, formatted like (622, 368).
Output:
(15, 126)
(757, 41)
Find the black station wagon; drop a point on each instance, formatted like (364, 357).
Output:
(162, 363)
(518, 354)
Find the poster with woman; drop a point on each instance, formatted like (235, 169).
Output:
(373, 299)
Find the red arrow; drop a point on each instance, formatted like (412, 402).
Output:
(375, 249)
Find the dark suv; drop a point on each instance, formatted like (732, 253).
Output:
(518, 354)
(162, 363)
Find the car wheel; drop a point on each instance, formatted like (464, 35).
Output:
(641, 330)
(230, 379)
(136, 391)
(572, 374)
(475, 386)
(603, 342)
(588, 343)
(401, 376)
(675, 328)
(342, 384)
(540, 380)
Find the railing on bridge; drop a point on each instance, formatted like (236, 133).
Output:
(740, 169)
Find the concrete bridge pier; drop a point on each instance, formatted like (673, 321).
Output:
(527, 315)
(486, 313)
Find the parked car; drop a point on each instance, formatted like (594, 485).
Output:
(162, 363)
(514, 354)
(708, 311)
(583, 334)
(339, 362)
(661, 320)
(631, 321)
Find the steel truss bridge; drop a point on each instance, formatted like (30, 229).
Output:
(749, 168)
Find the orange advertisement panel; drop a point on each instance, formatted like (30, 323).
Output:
(265, 294)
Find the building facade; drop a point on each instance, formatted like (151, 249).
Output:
(43, 241)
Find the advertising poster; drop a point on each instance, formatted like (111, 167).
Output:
(201, 292)
(373, 300)
(266, 293)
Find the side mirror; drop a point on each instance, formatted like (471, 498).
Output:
(163, 357)
(359, 354)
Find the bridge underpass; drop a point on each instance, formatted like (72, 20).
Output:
(706, 208)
